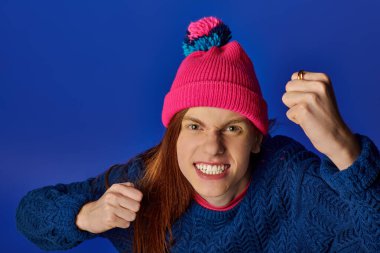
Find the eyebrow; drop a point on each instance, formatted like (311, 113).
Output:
(233, 121)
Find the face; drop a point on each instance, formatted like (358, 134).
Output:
(213, 150)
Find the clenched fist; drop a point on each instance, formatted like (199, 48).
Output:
(116, 208)
(313, 107)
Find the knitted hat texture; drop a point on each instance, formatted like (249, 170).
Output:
(215, 73)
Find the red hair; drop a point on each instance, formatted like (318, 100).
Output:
(167, 193)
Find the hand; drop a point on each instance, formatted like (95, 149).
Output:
(116, 208)
(313, 106)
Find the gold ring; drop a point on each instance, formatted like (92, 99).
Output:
(300, 74)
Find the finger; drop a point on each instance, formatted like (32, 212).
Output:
(312, 76)
(119, 222)
(118, 200)
(127, 191)
(129, 203)
(292, 114)
(307, 86)
(293, 98)
(125, 214)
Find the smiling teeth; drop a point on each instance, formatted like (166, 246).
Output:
(211, 169)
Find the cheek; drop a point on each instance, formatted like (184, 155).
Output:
(183, 151)
(186, 143)
(241, 152)
(186, 150)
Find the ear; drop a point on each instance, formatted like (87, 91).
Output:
(256, 147)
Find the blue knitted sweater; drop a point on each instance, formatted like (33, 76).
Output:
(296, 202)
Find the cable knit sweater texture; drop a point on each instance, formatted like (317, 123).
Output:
(296, 202)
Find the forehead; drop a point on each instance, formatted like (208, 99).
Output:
(213, 115)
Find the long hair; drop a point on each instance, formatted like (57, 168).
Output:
(167, 193)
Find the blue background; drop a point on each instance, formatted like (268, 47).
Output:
(83, 82)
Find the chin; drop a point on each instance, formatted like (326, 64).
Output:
(210, 192)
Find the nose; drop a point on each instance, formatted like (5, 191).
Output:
(213, 144)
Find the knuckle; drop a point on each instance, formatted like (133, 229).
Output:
(288, 114)
(325, 77)
(132, 216)
(109, 197)
(287, 86)
(129, 215)
(283, 98)
(303, 108)
(322, 87)
(108, 209)
(127, 224)
(312, 97)
(291, 115)
(116, 187)
(133, 207)
(138, 207)
(110, 219)
(139, 196)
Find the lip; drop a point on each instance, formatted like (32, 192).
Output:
(211, 177)
(211, 163)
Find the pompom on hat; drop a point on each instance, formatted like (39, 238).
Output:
(215, 73)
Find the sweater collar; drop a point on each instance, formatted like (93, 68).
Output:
(201, 201)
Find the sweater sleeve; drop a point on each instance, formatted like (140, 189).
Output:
(338, 211)
(359, 187)
(46, 216)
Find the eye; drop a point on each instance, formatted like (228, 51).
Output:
(192, 126)
(235, 129)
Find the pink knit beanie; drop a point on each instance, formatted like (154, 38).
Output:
(215, 73)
